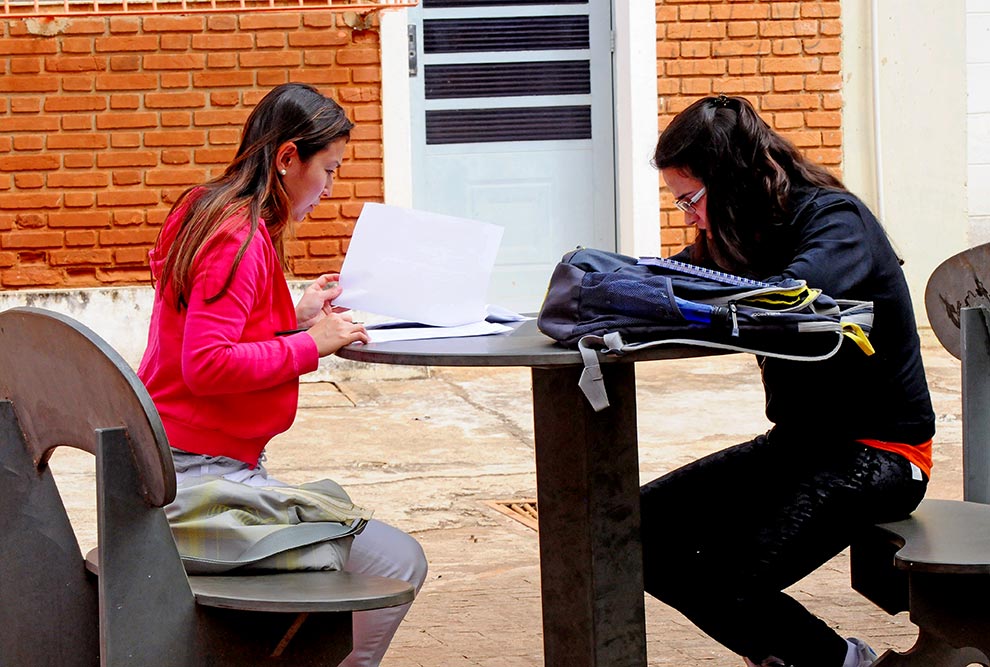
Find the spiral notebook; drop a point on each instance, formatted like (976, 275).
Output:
(701, 272)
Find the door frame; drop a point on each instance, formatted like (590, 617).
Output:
(634, 75)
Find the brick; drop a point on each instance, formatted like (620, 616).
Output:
(128, 101)
(327, 247)
(78, 141)
(125, 218)
(78, 161)
(86, 26)
(128, 63)
(77, 84)
(126, 177)
(20, 239)
(76, 44)
(224, 136)
(366, 75)
(787, 47)
(70, 103)
(743, 66)
(831, 28)
(696, 68)
(176, 42)
(789, 65)
(172, 61)
(226, 60)
(171, 80)
(234, 117)
(175, 156)
(76, 257)
(821, 10)
(263, 21)
(321, 20)
(130, 43)
(747, 47)
(831, 64)
(125, 139)
(138, 81)
(222, 79)
(224, 23)
(225, 98)
(128, 236)
(822, 46)
(254, 59)
(193, 99)
(29, 181)
(29, 162)
(24, 65)
(270, 79)
(124, 25)
(695, 13)
(30, 276)
(782, 102)
(828, 119)
(122, 276)
(29, 142)
(92, 179)
(788, 28)
(321, 39)
(742, 29)
(130, 256)
(173, 24)
(353, 56)
(29, 124)
(788, 120)
(315, 267)
(176, 119)
(80, 237)
(31, 220)
(214, 155)
(78, 199)
(76, 64)
(214, 42)
(174, 138)
(175, 177)
(126, 159)
(354, 94)
(270, 40)
(28, 84)
(739, 12)
(128, 197)
(19, 47)
(118, 121)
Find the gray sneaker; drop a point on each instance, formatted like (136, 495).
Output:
(867, 656)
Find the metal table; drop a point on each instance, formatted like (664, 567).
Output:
(587, 474)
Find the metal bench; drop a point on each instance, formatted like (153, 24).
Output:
(60, 384)
(936, 563)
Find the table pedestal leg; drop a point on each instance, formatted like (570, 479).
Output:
(587, 470)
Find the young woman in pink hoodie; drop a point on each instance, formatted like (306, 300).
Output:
(222, 379)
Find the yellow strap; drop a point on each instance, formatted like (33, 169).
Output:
(855, 332)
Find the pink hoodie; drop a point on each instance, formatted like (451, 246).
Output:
(223, 383)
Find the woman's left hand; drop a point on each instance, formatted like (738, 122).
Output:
(317, 301)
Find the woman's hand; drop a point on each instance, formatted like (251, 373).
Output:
(334, 331)
(316, 302)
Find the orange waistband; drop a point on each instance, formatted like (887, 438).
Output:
(920, 455)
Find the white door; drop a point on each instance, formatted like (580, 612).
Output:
(512, 124)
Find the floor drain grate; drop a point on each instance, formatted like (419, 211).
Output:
(522, 510)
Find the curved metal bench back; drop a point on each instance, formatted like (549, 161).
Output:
(65, 382)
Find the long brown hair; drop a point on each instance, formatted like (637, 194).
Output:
(750, 174)
(249, 188)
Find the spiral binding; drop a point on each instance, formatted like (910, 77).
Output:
(701, 272)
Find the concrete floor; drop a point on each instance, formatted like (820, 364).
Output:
(429, 450)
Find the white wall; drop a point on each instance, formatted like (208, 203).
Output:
(920, 95)
(978, 118)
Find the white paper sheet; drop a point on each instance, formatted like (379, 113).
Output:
(419, 266)
(418, 333)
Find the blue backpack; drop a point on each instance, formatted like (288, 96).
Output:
(606, 303)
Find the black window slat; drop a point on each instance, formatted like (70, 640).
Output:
(459, 126)
(535, 33)
(567, 77)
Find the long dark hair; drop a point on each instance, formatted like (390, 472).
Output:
(249, 186)
(750, 174)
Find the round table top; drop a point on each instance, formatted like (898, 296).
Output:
(524, 346)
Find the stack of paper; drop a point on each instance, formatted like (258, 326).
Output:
(422, 269)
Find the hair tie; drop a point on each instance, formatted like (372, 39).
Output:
(722, 101)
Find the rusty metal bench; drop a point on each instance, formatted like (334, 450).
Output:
(936, 563)
(60, 384)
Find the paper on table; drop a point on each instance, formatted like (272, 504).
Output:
(417, 333)
(419, 266)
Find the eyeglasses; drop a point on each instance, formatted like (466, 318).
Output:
(687, 204)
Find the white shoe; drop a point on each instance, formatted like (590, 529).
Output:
(866, 655)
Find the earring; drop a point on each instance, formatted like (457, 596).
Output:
(283, 172)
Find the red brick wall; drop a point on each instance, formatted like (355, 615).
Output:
(105, 121)
(782, 56)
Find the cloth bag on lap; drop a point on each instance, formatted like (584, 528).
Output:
(220, 526)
